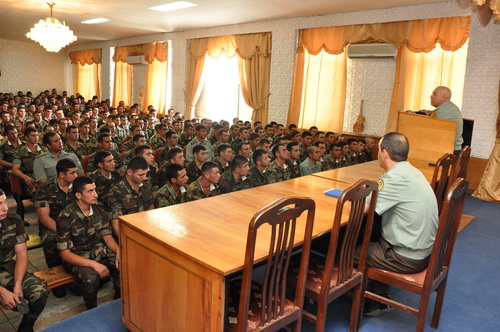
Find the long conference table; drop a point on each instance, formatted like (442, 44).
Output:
(176, 261)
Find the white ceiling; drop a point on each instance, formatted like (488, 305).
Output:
(133, 18)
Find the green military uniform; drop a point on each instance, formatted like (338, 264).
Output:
(103, 184)
(276, 173)
(82, 235)
(195, 192)
(193, 143)
(90, 143)
(44, 166)
(127, 156)
(450, 111)
(154, 178)
(91, 166)
(234, 144)
(50, 195)
(257, 178)
(212, 138)
(307, 167)
(303, 152)
(222, 168)
(163, 156)
(128, 145)
(294, 168)
(81, 151)
(8, 151)
(34, 289)
(184, 139)
(330, 163)
(352, 158)
(26, 158)
(193, 172)
(123, 199)
(157, 142)
(166, 196)
(228, 183)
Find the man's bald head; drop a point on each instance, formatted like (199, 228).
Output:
(440, 95)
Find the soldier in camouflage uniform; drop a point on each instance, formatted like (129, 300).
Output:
(200, 139)
(293, 162)
(344, 150)
(89, 140)
(306, 142)
(187, 135)
(206, 185)
(9, 148)
(105, 177)
(224, 156)
(174, 156)
(104, 142)
(14, 286)
(278, 170)
(72, 145)
(257, 173)
(223, 138)
(244, 136)
(236, 178)
(22, 165)
(129, 144)
(352, 153)
(132, 194)
(85, 241)
(172, 142)
(193, 168)
(138, 140)
(50, 199)
(173, 192)
(159, 139)
(332, 159)
(146, 152)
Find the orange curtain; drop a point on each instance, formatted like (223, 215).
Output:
(494, 6)
(151, 51)
(254, 51)
(417, 36)
(86, 57)
(156, 86)
(122, 89)
(87, 72)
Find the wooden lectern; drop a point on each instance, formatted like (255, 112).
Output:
(429, 137)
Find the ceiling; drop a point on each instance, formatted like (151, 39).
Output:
(133, 18)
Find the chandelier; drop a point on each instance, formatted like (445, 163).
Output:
(51, 33)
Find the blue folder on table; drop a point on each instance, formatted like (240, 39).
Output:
(333, 192)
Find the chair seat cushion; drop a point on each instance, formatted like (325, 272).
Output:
(417, 278)
(254, 308)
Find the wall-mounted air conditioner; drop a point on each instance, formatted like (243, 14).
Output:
(136, 60)
(371, 51)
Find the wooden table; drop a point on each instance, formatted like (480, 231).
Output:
(371, 171)
(176, 260)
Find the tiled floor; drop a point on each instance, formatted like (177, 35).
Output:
(56, 309)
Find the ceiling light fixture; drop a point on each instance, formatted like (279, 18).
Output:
(173, 6)
(51, 33)
(98, 20)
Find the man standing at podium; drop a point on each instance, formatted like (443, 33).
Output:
(446, 110)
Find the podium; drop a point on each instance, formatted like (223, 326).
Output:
(429, 137)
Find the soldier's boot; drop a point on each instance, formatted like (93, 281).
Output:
(26, 325)
(59, 291)
(90, 300)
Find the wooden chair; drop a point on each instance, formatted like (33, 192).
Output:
(442, 176)
(264, 307)
(330, 277)
(434, 277)
(462, 164)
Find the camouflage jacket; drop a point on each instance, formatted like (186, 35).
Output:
(228, 183)
(103, 185)
(123, 199)
(26, 159)
(11, 233)
(83, 234)
(257, 178)
(330, 163)
(352, 158)
(193, 172)
(303, 152)
(222, 168)
(184, 140)
(157, 142)
(8, 151)
(195, 192)
(166, 196)
(294, 168)
(81, 150)
(90, 143)
(276, 173)
(50, 195)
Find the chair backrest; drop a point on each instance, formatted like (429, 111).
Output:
(281, 216)
(356, 195)
(462, 164)
(446, 234)
(442, 175)
(85, 162)
(156, 154)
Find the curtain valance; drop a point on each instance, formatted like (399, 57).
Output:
(245, 46)
(86, 57)
(494, 5)
(151, 51)
(417, 35)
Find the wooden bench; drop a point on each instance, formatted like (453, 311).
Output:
(55, 276)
